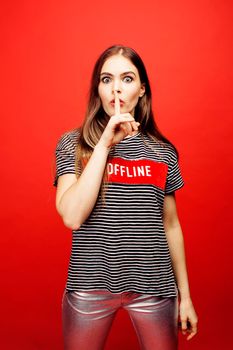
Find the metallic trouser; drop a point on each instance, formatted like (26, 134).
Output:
(87, 317)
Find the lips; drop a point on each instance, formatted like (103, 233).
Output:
(113, 101)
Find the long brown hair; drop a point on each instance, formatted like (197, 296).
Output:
(96, 119)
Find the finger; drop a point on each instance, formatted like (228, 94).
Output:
(117, 119)
(123, 128)
(117, 104)
(135, 125)
(191, 329)
(127, 115)
(128, 127)
(184, 326)
(191, 335)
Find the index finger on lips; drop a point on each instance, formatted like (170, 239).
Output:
(117, 104)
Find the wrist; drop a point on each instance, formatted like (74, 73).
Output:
(186, 298)
(99, 147)
(184, 295)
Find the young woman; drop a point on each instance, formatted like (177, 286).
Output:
(116, 178)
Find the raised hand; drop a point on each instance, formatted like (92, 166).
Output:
(119, 126)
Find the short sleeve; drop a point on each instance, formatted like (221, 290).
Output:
(65, 157)
(174, 179)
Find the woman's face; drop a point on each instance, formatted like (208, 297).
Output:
(119, 74)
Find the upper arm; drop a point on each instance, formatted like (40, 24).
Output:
(174, 182)
(63, 183)
(174, 179)
(65, 174)
(170, 215)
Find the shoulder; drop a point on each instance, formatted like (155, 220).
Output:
(166, 150)
(69, 139)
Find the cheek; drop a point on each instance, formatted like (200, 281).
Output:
(134, 95)
(102, 95)
(134, 91)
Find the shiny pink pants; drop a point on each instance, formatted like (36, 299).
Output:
(87, 317)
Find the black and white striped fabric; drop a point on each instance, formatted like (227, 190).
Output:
(122, 246)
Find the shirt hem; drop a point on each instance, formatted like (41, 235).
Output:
(132, 290)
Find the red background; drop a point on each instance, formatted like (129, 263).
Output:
(48, 49)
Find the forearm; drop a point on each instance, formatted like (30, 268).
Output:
(79, 199)
(177, 251)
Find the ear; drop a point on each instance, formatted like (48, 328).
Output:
(142, 89)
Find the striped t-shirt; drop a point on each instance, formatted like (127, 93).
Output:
(122, 246)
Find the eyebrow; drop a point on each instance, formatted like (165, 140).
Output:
(121, 74)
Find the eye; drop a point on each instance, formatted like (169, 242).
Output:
(129, 79)
(105, 80)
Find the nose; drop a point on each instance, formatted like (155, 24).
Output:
(116, 86)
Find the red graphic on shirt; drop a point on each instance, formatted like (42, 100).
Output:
(142, 171)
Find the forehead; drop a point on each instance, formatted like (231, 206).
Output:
(118, 64)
